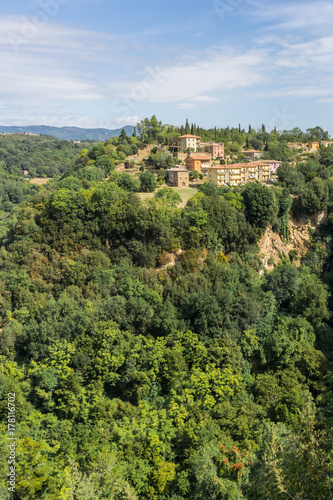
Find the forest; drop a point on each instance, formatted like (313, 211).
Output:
(151, 354)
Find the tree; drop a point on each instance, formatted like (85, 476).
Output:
(148, 181)
(293, 463)
(315, 196)
(313, 306)
(123, 138)
(193, 175)
(291, 177)
(283, 283)
(317, 134)
(96, 151)
(128, 182)
(169, 195)
(256, 143)
(164, 160)
(149, 129)
(260, 206)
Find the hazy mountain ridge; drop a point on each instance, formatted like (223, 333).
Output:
(69, 133)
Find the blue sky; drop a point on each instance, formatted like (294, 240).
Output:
(99, 63)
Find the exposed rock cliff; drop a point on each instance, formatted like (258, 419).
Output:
(272, 246)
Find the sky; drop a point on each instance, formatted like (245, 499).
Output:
(110, 63)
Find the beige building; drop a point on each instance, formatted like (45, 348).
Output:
(313, 145)
(197, 161)
(239, 173)
(178, 176)
(327, 143)
(216, 150)
(188, 141)
(252, 153)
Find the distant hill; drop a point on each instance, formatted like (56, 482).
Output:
(69, 133)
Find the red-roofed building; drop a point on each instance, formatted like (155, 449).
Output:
(197, 161)
(239, 173)
(216, 150)
(188, 141)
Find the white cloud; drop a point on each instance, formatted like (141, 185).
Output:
(205, 99)
(309, 16)
(213, 71)
(317, 53)
(186, 105)
(120, 122)
(22, 34)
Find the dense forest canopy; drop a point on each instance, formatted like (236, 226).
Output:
(210, 378)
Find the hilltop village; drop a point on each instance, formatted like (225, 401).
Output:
(190, 159)
(208, 158)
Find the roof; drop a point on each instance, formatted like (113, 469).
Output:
(175, 169)
(244, 165)
(263, 162)
(199, 156)
(188, 136)
(252, 151)
(233, 165)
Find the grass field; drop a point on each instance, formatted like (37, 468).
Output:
(185, 193)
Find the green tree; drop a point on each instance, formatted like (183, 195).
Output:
(315, 196)
(260, 206)
(148, 181)
(169, 195)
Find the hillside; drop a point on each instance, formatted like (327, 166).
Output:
(68, 133)
(163, 348)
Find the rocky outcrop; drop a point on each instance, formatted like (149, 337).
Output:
(272, 246)
(169, 259)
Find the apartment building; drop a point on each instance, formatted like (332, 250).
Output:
(178, 176)
(273, 165)
(198, 161)
(239, 173)
(215, 150)
(188, 141)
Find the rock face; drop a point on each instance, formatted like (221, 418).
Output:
(272, 246)
(169, 259)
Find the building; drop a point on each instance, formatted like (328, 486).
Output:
(273, 165)
(313, 145)
(197, 161)
(327, 143)
(252, 153)
(188, 141)
(226, 174)
(239, 173)
(178, 176)
(216, 150)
